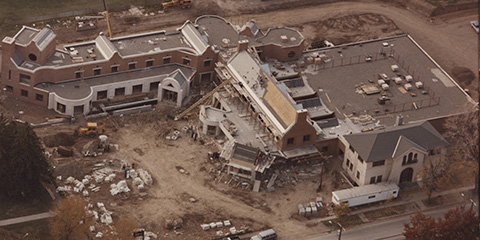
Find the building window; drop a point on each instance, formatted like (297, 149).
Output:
(24, 93)
(154, 86)
(137, 88)
(149, 63)
(32, 57)
(101, 94)
(348, 162)
(9, 89)
(9, 74)
(290, 141)
(78, 74)
(325, 149)
(370, 197)
(115, 69)
(119, 91)
(351, 148)
(379, 178)
(379, 163)
(186, 61)
(306, 138)
(39, 97)
(60, 107)
(372, 180)
(412, 158)
(132, 66)
(166, 60)
(97, 71)
(207, 62)
(291, 54)
(25, 79)
(358, 175)
(351, 166)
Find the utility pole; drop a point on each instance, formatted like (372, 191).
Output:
(108, 19)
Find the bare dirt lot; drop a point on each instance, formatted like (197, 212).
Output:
(187, 184)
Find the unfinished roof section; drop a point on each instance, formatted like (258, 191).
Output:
(179, 77)
(193, 36)
(244, 154)
(383, 144)
(271, 98)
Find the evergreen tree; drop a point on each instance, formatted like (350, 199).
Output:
(23, 165)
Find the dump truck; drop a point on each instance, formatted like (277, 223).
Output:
(92, 129)
(176, 3)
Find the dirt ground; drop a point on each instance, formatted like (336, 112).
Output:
(182, 170)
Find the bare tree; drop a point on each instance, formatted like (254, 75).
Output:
(70, 221)
(462, 132)
(433, 175)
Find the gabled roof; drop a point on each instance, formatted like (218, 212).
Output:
(43, 38)
(394, 141)
(105, 46)
(191, 33)
(179, 77)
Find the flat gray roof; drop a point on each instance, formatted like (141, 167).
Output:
(339, 86)
(217, 30)
(274, 36)
(81, 88)
(26, 35)
(150, 42)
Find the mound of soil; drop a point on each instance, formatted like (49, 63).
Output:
(59, 139)
(463, 75)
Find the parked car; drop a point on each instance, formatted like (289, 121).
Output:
(474, 25)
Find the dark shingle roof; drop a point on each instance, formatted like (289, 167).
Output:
(388, 143)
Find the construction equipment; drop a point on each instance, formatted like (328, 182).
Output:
(92, 129)
(108, 19)
(203, 99)
(176, 3)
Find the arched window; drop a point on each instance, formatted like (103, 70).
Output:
(410, 157)
(415, 157)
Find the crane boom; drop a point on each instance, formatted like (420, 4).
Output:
(203, 99)
(108, 19)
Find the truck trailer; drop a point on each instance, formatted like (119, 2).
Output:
(365, 194)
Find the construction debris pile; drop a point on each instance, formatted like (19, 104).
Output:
(219, 227)
(311, 209)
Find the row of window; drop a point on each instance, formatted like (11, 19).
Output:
(133, 65)
(291, 141)
(412, 158)
(24, 93)
(376, 179)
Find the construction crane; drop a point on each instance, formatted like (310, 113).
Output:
(108, 19)
(175, 3)
(202, 100)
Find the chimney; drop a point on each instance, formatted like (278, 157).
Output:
(242, 45)
(399, 120)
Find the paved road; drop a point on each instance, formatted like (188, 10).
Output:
(29, 218)
(382, 230)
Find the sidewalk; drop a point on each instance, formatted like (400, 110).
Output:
(23, 219)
